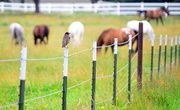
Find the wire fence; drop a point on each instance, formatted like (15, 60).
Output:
(174, 51)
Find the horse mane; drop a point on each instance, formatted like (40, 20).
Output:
(100, 41)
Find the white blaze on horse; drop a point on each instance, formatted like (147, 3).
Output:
(17, 33)
(147, 28)
(76, 30)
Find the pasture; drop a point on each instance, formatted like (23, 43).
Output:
(45, 77)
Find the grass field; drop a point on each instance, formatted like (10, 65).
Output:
(45, 77)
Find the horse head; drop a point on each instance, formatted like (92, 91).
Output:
(165, 10)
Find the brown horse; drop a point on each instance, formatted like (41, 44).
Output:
(107, 37)
(40, 32)
(156, 14)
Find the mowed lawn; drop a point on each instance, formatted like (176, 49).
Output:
(45, 77)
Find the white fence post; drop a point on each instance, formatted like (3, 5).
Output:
(25, 7)
(118, 8)
(142, 9)
(2, 6)
(95, 7)
(49, 8)
(22, 77)
(65, 76)
(166, 6)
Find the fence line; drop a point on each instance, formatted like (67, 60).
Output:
(83, 81)
(100, 7)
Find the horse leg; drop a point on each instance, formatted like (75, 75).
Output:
(157, 21)
(47, 39)
(161, 20)
(42, 40)
(112, 48)
(106, 48)
(35, 40)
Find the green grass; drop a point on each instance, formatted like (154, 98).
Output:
(45, 77)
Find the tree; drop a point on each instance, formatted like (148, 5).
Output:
(37, 6)
(94, 1)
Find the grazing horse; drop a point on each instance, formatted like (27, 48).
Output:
(107, 37)
(40, 32)
(17, 33)
(76, 30)
(156, 14)
(147, 28)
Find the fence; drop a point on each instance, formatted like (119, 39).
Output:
(176, 49)
(104, 8)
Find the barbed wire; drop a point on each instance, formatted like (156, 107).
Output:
(127, 83)
(45, 59)
(10, 60)
(79, 84)
(9, 105)
(80, 52)
(127, 64)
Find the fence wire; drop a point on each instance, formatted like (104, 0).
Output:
(88, 79)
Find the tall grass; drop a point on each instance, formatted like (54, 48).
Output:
(45, 77)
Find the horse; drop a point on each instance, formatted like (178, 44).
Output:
(17, 33)
(107, 37)
(39, 32)
(156, 14)
(76, 30)
(147, 28)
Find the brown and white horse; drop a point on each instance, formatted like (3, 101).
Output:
(107, 37)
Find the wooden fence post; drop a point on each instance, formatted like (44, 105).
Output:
(115, 69)
(129, 68)
(22, 77)
(65, 74)
(93, 104)
(140, 57)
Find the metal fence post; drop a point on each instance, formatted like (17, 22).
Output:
(165, 53)
(65, 75)
(140, 57)
(22, 77)
(159, 57)
(129, 68)
(152, 57)
(171, 53)
(93, 104)
(115, 69)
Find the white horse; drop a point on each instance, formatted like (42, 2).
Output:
(147, 28)
(76, 30)
(17, 33)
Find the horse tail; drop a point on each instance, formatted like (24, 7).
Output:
(100, 41)
(46, 32)
(16, 35)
